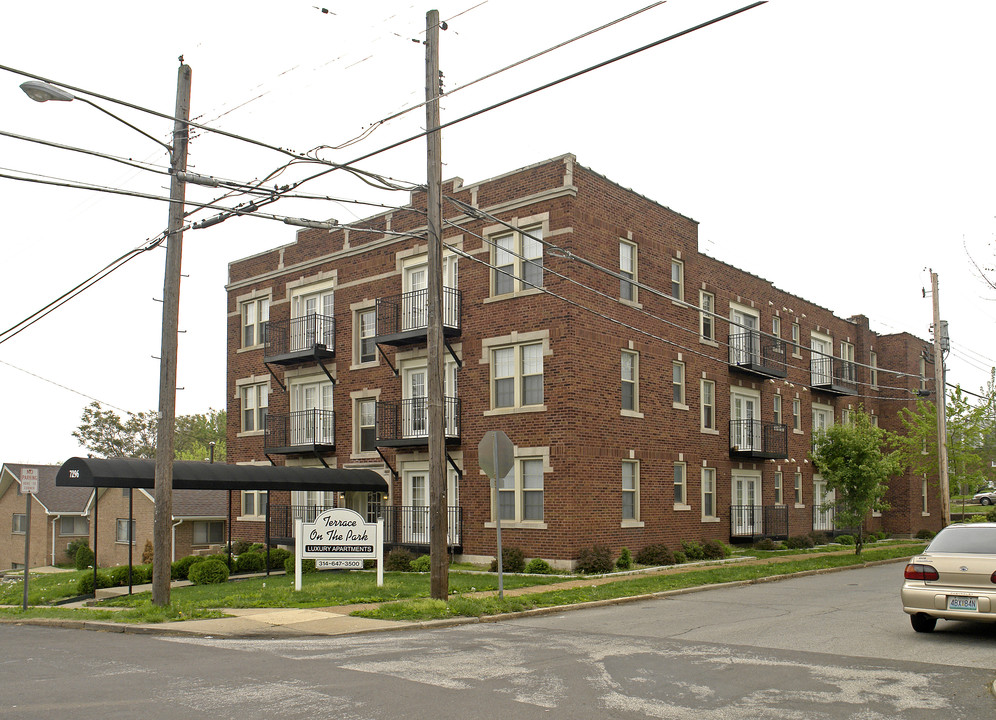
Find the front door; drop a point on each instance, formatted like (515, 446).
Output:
(415, 415)
(747, 512)
(415, 300)
(312, 422)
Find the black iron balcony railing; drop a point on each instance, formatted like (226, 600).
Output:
(756, 439)
(408, 421)
(759, 521)
(304, 429)
(405, 316)
(409, 525)
(301, 335)
(833, 374)
(403, 524)
(757, 353)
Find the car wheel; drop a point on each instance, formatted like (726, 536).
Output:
(986, 501)
(923, 623)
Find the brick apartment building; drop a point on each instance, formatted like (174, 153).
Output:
(637, 416)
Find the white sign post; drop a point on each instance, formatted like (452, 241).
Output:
(339, 538)
(29, 486)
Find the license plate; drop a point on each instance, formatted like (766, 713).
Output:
(963, 603)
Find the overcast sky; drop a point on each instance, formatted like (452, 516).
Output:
(839, 150)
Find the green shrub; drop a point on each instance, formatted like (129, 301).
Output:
(74, 546)
(991, 515)
(278, 556)
(256, 547)
(766, 544)
(845, 539)
(180, 569)
(680, 557)
(539, 566)
(715, 550)
(85, 584)
(251, 561)
(655, 554)
(799, 542)
(240, 546)
(925, 534)
(819, 538)
(399, 560)
(209, 572)
(977, 518)
(307, 566)
(625, 561)
(422, 563)
(512, 560)
(693, 550)
(595, 560)
(83, 558)
(119, 575)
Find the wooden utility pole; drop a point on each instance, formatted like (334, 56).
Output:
(438, 556)
(163, 519)
(942, 423)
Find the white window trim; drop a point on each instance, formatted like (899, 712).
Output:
(795, 334)
(714, 430)
(254, 298)
(252, 518)
(684, 385)
(635, 301)
(635, 412)
(208, 523)
(240, 385)
(715, 491)
(355, 398)
(678, 299)
(778, 486)
(516, 339)
(524, 453)
(684, 485)
(796, 403)
(634, 522)
(523, 225)
(797, 476)
(134, 530)
(713, 317)
(355, 310)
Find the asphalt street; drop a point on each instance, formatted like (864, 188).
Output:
(824, 646)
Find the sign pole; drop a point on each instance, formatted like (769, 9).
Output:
(501, 558)
(298, 550)
(380, 552)
(27, 545)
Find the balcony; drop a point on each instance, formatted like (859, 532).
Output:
(304, 431)
(406, 424)
(753, 439)
(309, 337)
(833, 375)
(404, 525)
(754, 522)
(757, 354)
(404, 319)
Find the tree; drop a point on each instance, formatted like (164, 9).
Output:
(104, 434)
(851, 459)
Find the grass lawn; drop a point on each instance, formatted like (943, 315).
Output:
(405, 596)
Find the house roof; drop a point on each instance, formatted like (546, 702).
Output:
(56, 499)
(189, 475)
(201, 504)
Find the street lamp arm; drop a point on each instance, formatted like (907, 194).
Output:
(154, 139)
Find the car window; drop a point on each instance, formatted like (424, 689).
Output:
(970, 540)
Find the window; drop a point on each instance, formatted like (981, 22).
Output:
(873, 365)
(822, 417)
(777, 400)
(366, 425)
(776, 326)
(627, 268)
(517, 376)
(923, 373)
(708, 493)
(678, 382)
(630, 381)
(874, 420)
(518, 261)
(124, 531)
(253, 503)
(797, 414)
(209, 532)
(845, 416)
(779, 490)
(366, 330)
(708, 388)
(707, 321)
(74, 525)
(677, 279)
(630, 490)
(520, 492)
(798, 488)
(19, 524)
(255, 315)
(679, 483)
(923, 497)
(847, 369)
(796, 339)
(255, 400)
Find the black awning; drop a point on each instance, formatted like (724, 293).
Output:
(188, 475)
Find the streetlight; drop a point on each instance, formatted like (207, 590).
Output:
(43, 92)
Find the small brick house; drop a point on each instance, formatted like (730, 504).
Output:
(652, 393)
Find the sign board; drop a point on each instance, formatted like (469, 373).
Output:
(339, 539)
(29, 481)
(495, 454)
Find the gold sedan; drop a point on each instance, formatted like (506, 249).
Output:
(954, 578)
